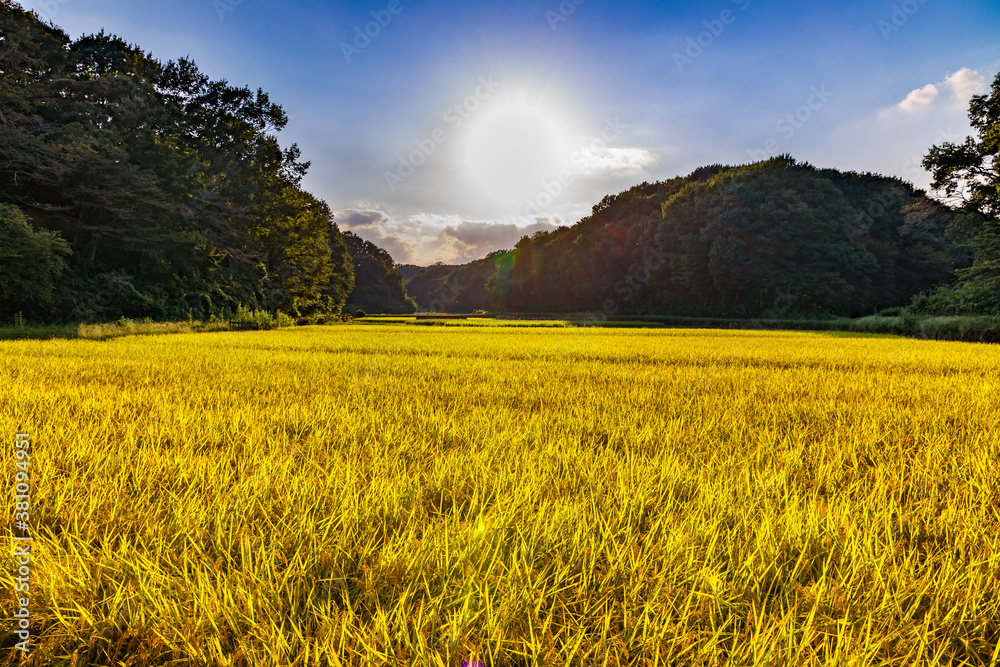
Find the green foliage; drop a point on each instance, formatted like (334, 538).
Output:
(171, 189)
(427, 285)
(462, 289)
(408, 271)
(775, 239)
(359, 314)
(30, 263)
(299, 245)
(378, 284)
(976, 296)
(960, 328)
(968, 176)
(262, 319)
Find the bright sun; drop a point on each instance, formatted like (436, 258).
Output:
(513, 148)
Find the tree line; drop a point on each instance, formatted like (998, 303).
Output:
(135, 188)
(773, 239)
(130, 187)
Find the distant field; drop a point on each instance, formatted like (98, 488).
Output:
(409, 495)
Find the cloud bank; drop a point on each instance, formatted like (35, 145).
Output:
(426, 238)
(961, 85)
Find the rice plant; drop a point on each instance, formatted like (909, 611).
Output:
(400, 495)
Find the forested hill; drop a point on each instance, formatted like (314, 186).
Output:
(771, 239)
(132, 187)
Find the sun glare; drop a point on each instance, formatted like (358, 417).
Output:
(514, 147)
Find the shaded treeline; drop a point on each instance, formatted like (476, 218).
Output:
(378, 283)
(771, 239)
(136, 188)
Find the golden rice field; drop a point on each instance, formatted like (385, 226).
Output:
(403, 495)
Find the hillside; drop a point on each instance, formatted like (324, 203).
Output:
(771, 239)
(408, 270)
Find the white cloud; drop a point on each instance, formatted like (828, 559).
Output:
(920, 97)
(630, 160)
(425, 238)
(435, 219)
(895, 142)
(964, 84)
(478, 239)
(401, 252)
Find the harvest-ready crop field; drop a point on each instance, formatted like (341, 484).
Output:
(402, 495)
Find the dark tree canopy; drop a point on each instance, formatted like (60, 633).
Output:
(771, 239)
(171, 190)
(378, 284)
(30, 263)
(445, 288)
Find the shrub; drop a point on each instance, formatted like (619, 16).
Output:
(262, 319)
(31, 262)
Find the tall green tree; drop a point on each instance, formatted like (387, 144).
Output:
(378, 284)
(967, 175)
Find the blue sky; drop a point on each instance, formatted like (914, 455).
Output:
(451, 129)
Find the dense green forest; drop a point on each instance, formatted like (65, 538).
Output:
(770, 239)
(138, 188)
(135, 188)
(378, 284)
